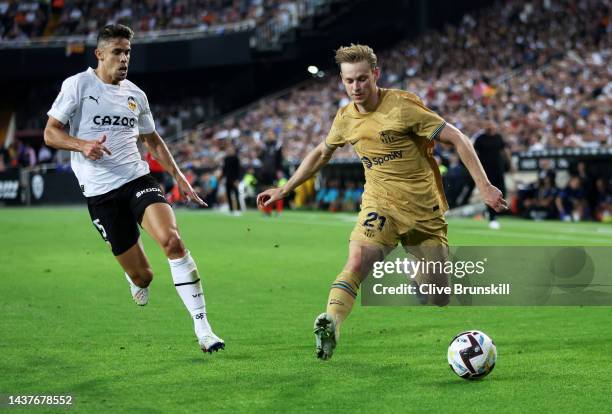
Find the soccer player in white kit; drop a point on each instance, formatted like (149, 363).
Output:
(107, 114)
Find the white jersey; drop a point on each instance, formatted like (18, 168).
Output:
(94, 108)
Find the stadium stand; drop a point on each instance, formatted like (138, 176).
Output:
(536, 69)
(502, 64)
(28, 22)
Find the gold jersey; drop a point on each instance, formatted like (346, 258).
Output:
(395, 145)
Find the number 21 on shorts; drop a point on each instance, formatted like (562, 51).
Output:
(373, 217)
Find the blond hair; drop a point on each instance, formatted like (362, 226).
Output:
(356, 53)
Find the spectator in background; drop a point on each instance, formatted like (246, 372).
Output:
(247, 188)
(351, 197)
(603, 200)
(572, 201)
(495, 158)
(304, 194)
(26, 156)
(45, 155)
(4, 159)
(157, 171)
(542, 205)
(207, 185)
(231, 173)
(174, 196)
(3, 167)
(588, 179)
(281, 180)
(328, 197)
(458, 185)
(271, 157)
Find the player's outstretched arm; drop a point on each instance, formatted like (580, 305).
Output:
(490, 194)
(56, 137)
(157, 147)
(313, 162)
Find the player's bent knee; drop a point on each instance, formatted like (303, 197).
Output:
(362, 258)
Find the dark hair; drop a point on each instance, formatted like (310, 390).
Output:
(114, 31)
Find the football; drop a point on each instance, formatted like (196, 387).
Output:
(472, 355)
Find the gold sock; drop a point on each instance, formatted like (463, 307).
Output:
(342, 297)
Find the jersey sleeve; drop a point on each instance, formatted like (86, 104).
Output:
(335, 136)
(421, 120)
(66, 103)
(146, 124)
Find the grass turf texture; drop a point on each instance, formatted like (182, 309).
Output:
(69, 326)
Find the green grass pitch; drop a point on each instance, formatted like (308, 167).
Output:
(68, 325)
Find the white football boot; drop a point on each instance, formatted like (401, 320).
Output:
(325, 335)
(140, 295)
(211, 343)
(494, 225)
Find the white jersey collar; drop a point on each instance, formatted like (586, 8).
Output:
(92, 72)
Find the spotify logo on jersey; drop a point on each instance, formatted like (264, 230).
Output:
(381, 160)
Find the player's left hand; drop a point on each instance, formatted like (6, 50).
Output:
(494, 198)
(188, 192)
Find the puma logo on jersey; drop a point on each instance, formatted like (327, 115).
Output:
(96, 100)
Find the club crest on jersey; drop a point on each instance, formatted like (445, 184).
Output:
(131, 103)
(387, 137)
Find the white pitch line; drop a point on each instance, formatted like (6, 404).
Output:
(514, 234)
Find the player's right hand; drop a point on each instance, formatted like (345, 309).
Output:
(270, 196)
(94, 150)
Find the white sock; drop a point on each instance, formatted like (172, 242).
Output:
(133, 286)
(188, 286)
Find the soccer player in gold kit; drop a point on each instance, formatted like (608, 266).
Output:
(392, 132)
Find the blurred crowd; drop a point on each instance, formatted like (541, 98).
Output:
(539, 70)
(584, 197)
(46, 18)
(19, 154)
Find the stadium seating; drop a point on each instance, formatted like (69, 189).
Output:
(501, 64)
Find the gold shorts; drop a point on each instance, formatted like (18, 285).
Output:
(385, 224)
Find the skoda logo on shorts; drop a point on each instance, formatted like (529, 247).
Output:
(148, 190)
(367, 162)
